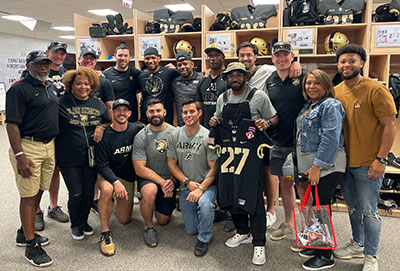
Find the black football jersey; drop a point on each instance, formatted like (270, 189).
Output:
(240, 150)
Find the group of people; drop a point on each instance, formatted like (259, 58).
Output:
(237, 126)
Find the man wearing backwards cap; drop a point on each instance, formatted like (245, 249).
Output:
(32, 124)
(185, 86)
(114, 163)
(156, 83)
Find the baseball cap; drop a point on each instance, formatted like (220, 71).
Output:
(88, 50)
(183, 55)
(151, 51)
(233, 66)
(37, 56)
(119, 102)
(216, 47)
(282, 46)
(55, 45)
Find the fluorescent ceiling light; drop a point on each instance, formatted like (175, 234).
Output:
(67, 37)
(17, 18)
(264, 2)
(103, 12)
(64, 28)
(29, 24)
(180, 7)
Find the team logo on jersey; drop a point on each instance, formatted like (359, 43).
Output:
(84, 118)
(251, 129)
(131, 77)
(234, 138)
(211, 141)
(161, 145)
(189, 156)
(296, 82)
(357, 105)
(250, 135)
(154, 85)
(241, 202)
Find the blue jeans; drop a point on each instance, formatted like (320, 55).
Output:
(199, 216)
(362, 195)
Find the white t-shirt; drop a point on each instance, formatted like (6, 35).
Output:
(259, 78)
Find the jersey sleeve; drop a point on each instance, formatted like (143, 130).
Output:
(199, 96)
(108, 92)
(139, 150)
(171, 143)
(102, 162)
(266, 110)
(15, 105)
(383, 103)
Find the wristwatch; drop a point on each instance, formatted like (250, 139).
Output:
(186, 182)
(382, 160)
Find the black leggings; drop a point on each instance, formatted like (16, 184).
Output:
(80, 182)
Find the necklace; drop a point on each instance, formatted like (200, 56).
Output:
(348, 91)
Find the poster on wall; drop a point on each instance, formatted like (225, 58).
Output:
(300, 38)
(387, 36)
(88, 43)
(222, 39)
(150, 42)
(2, 96)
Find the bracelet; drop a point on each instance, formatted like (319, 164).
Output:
(18, 153)
(201, 188)
(117, 181)
(269, 122)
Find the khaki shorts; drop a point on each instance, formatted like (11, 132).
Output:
(42, 155)
(129, 186)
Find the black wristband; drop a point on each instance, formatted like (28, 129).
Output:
(186, 182)
(382, 160)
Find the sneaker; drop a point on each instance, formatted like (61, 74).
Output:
(295, 248)
(239, 239)
(200, 249)
(106, 244)
(318, 263)
(150, 237)
(39, 221)
(87, 230)
(271, 219)
(57, 214)
(281, 233)
(259, 255)
(21, 241)
(370, 263)
(136, 200)
(77, 233)
(308, 253)
(350, 250)
(229, 226)
(95, 208)
(36, 255)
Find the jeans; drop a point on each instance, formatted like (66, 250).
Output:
(199, 216)
(361, 195)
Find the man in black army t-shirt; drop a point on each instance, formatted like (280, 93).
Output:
(124, 79)
(156, 83)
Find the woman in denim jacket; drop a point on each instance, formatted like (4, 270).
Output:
(320, 149)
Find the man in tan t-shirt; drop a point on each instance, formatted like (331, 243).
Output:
(369, 131)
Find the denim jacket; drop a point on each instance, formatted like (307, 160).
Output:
(321, 131)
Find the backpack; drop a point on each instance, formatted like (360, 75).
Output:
(394, 88)
(300, 12)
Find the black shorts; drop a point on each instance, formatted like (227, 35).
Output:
(163, 205)
(266, 152)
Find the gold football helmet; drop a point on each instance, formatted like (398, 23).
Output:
(261, 44)
(334, 41)
(184, 45)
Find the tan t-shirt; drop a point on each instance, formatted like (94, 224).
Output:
(363, 105)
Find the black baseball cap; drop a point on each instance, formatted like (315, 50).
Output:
(183, 55)
(37, 56)
(88, 50)
(119, 102)
(55, 45)
(151, 51)
(282, 46)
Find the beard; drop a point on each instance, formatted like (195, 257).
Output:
(154, 122)
(350, 76)
(39, 77)
(237, 88)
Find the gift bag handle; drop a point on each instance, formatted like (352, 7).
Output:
(307, 196)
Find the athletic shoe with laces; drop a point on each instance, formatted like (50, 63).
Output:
(21, 240)
(319, 262)
(370, 263)
(239, 239)
(36, 255)
(87, 230)
(106, 244)
(77, 233)
(39, 221)
(281, 233)
(308, 253)
(57, 214)
(350, 250)
(95, 208)
(271, 219)
(295, 248)
(259, 255)
(200, 249)
(150, 237)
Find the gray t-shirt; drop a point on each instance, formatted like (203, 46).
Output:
(151, 146)
(259, 78)
(260, 105)
(192, 151)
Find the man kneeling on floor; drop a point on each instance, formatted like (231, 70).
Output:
(113, 159)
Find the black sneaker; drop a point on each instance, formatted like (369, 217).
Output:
(150, 237)
(77, 233)
(36, 255)
(87, 230)
(319, 263)
(200, 249)
(57, 214)
(21, 240)
(308, 253)
(39, 221)
(95, 208)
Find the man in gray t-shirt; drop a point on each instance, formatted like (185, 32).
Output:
(149, 157)
(192, 163)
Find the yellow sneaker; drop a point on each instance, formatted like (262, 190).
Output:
(106, 244)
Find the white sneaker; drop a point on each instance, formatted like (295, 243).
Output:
(350, 250)
(259, 255)
(271, 219)
(370, 263)
(136, 200)
(239, 239)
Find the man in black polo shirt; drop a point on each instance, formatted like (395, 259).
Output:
(156, 83)
(124, 79)
(185, 86)
(32, 124)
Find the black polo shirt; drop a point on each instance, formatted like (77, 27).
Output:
(208, 91)
(34, 107)
(287, 98)
(125, 85)
(158, 85)
(105, 91)
(55, 77)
